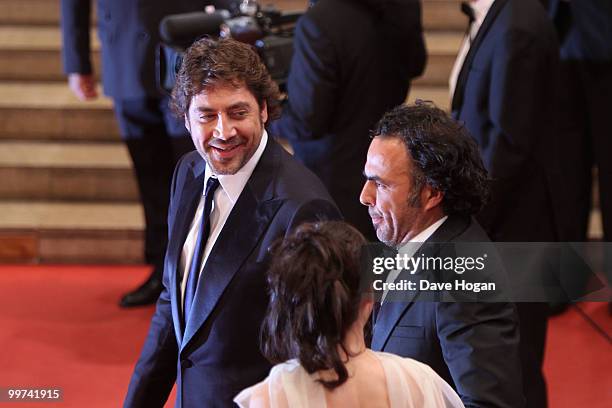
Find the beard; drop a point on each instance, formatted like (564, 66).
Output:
(226, 157)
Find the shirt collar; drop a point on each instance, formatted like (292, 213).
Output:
(428, 232)
(409, 248)
(481, 8)
(233, 184)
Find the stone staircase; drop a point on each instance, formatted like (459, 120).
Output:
(67, 192)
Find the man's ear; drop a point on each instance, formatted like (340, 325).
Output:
(264, 112)
(431, 198)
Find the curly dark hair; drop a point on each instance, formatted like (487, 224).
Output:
(314, 297)
(209, 63)
(444, 155)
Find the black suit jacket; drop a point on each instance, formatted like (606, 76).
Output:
(474, 346)
(506, 94)
(129, 34)
(217, 355)
(352, 62)
(584, 29)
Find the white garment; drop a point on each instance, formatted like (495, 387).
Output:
(481, 8)
(226, 195)
(410, 384)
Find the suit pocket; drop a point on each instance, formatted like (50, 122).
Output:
(409, 332)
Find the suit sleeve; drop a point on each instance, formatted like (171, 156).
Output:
(155, 371)
(311, 85)
(480, 343)
(521, 99)
(75, 21)
(404, 34)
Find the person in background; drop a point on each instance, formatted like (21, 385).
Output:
(585, 35)
(504, 88)
(129, 34)
(353, 60)
(314, 332)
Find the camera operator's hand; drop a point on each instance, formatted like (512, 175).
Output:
(83, 86)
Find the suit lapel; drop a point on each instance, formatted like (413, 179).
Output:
(189, 200)
(241, 233)
(494, 11)
(391, 311)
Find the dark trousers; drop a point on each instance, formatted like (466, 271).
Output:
(533, 318)
(155, 140)
(586, 132)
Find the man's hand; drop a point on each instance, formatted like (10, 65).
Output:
(83, 86)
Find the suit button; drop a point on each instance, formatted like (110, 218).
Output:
(107, 17)
(186, 363)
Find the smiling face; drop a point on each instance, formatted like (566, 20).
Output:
(226, 125)
(398, 211)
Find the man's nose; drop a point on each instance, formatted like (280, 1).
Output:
(224, 128)
(367, 197)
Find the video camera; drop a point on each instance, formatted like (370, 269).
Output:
(269, 30)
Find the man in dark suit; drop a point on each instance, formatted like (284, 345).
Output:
(585, 38)
(505, 95)
(205, 331)
(425, 180)
(128, 31)
(353, 60)
(506, 80)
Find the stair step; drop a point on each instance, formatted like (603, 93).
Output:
(42, 95)
(437, 14)
(48, 111)
(442, 49)
(66, 171)
(41, 12)
(44, 215)
(44, 110)
(443, 15)
(64, 155)
(33, 53)
(70, 232)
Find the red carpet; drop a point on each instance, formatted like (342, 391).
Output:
(578, 362)
(61, 328)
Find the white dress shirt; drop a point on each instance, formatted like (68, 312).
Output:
(481, 8)
(409, 249)
(226, 195)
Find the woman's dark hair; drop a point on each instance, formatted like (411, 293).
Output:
(209, 63)
(314, 297)
(443, 153)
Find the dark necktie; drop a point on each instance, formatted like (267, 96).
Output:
(198, 252)
(469, 12)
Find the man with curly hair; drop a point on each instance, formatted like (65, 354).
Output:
(128, 31)
(424, 182)
(230, 200)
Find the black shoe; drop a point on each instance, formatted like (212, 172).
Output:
(557, 308)
(146, 294)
